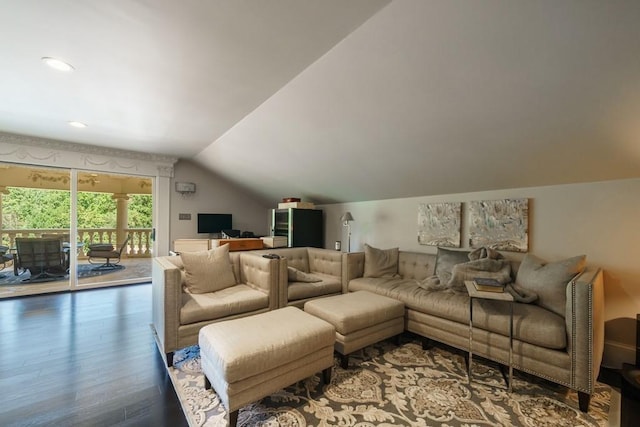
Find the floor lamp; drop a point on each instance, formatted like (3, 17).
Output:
(346, 222)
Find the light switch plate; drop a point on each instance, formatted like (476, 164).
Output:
(183, 216)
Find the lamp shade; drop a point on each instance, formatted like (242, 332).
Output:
(346, 217)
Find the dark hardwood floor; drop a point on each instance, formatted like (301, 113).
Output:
(86, 358)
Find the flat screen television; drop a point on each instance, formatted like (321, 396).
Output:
(214, 223)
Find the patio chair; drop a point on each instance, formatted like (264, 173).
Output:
(44, 258)
(108, 255)
(5, 257)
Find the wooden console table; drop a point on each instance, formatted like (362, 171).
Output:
(238, 244)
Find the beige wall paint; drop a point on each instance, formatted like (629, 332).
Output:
(601, 220)
(213, 195)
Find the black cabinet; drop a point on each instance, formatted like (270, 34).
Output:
(301, 227)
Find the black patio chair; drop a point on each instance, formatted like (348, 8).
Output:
(5, 257)
(44, 258)
(108, 255)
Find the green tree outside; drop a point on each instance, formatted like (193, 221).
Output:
(32, 208)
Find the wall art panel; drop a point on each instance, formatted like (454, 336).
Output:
(499, 224)
(439, 224)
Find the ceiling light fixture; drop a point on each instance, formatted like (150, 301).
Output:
(77, 124)
(57, 64)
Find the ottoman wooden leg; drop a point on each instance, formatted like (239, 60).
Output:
(344, 361)
(207, 383)
(233, 418)
(326, 375)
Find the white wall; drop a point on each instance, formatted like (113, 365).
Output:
(601, 220)
(213, 195)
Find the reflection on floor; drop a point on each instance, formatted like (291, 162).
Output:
(138, 270)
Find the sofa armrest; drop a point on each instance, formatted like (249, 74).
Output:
(262, 274)
(167, 300)
(352, 267)
(585, 327)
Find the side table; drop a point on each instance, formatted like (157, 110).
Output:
(497, 296)
(630, 396)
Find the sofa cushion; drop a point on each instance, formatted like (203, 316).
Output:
(301, 290)
(380, 262)
(216, 305)
(296, 275)
(445, 260)
(208, 271)
(549, 280)
(532, 324)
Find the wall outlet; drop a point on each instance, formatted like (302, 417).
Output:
(183, 216)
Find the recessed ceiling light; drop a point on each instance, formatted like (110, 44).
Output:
(77, 124)
(57, 64)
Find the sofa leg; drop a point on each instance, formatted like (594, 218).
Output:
(233, 418)
(397, 341)
(426, 344)
(207, 383)
(326, 375)
(583, 401)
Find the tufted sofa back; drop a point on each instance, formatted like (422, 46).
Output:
(416, 265)
(325, 261)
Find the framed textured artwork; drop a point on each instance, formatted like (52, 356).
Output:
(499, 224)
(439, 224)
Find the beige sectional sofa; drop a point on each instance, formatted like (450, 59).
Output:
(566, 349)
(559, 338)
(307, 273)
(178, 314)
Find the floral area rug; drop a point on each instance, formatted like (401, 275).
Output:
(387, 385)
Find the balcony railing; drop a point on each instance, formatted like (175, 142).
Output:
(139, 245)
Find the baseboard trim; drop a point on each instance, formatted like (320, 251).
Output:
(617, 353)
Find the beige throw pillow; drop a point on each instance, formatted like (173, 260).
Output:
(296, 275)
(208, 271)
(549, 280)
(380, 262)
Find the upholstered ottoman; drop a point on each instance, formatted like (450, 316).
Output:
(360, 318)
(252, 357)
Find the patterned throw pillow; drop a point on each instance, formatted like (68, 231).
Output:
(380, 262)
(208, 271)
(549, 280)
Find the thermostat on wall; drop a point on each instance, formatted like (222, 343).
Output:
(185, 187)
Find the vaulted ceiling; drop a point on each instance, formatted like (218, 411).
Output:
(338, 100)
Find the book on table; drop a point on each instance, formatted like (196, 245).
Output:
(488, 285)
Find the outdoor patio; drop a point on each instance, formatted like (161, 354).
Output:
(136, 270)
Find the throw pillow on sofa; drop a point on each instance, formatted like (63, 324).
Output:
(208, 271)
(380, 262)
(296, 275)
(445, 260)
(549, 280)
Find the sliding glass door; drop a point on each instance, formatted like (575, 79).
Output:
(103, 223)
(114, 223)
(35, 206)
